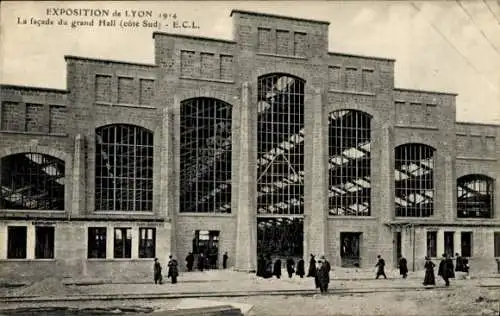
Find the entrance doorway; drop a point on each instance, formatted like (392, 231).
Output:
(206, 242)
(280, 237)
(350, 254)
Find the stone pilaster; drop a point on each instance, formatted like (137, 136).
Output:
(383, 190)
(449, 197)
(30, 242)
(3, 241)
(246, 209)
(79, 198)
(316, 175)
(440, 243)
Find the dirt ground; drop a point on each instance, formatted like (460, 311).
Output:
(459, 301)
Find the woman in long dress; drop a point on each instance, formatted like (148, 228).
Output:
(429, 278)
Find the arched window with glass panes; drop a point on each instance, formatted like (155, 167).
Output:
(205, 156)
(475, 196)
(123, 168)
(414, 180)
(349, 158)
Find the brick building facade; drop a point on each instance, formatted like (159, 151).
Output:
(267, 143)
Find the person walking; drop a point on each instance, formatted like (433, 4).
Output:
(380, 267)
(403, 267)
(445, 270)
(173, 271)
(300, 268)
(190, 262)
(312, 267)
(429, 278)
(290, 266)
(277, 268)
(201, 262)
(323, 275)
(224, 260)
(157, 272)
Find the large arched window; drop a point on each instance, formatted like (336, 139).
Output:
(349, 148)
(475, 196)
(32, 181)
(205, 162)
(124, 168)
(280, 145)
(414, 186)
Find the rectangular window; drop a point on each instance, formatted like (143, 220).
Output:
(103, 88)
(351, 79)
(123, 243)
(187, 63)
(299, 44)
(264, 40)
(282, 42)
(146, 91)
(57, 119)
(16, 242)
(44, 242)
(147, 242)
(226, 67)
(35, 118)
(126, 90)
(334, 77)
(432, 244)
(13, 116)
(497, 244)
(466, 244)
(367, 80)
(207, 65)
(96, 243)
(449, 243)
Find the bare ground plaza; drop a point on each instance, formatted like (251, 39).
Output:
(264, 146)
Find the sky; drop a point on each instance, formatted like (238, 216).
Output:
(450, 46)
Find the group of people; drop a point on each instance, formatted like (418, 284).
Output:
(319, 270)
(446, 270)
(173, 270)
(203, 262)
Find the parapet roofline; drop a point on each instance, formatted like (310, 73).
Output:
(480, 124)
(111, 61)
(362, 56)
(212, 39)
(426, 91)
(19, 87)
(278, 16)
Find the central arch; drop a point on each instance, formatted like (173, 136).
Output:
(280, 165)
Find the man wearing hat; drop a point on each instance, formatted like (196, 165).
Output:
(323, 274)
(381, 265)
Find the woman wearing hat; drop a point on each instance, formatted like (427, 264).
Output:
(429, 278)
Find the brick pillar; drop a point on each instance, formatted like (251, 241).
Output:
(457, 242)
(246, 210)
(449, 190)
(3, 241)
(496, 187)
(135, 242)
(78, 203)
(383, 191)
(316, 175)
(110, 242)
(30, 242)
(440, 243)
(167, 173)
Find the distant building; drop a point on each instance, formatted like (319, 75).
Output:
(265, 144)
